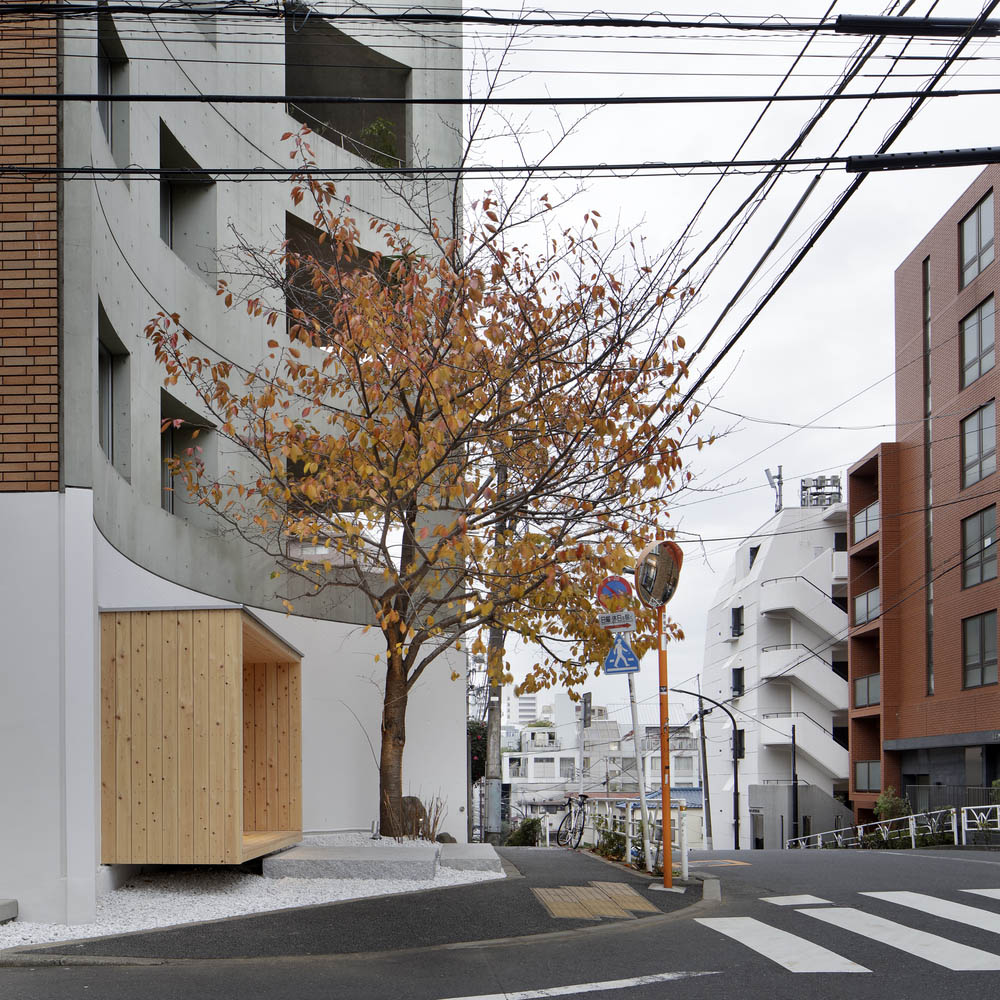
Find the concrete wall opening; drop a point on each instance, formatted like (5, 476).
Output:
(321, 61)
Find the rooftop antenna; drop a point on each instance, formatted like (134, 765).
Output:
(775, 483)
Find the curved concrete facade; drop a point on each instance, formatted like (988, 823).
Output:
(104, 539)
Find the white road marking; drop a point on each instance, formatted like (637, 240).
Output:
(959, 912)
(611, 984)
(793, 953)
(931, 947)
(989, 893)
(794, 900)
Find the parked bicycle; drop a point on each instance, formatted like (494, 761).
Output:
(570, 831)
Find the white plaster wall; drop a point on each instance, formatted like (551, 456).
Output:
(48, 694)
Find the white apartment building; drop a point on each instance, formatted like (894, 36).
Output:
(776, 656)
(91, 532)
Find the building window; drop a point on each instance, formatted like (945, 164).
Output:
(840, 541)
(979, 649)
(868, 776)
(684, 765)
(738, 687)
(979, 549)
(979, 444)
(754, 549)
(185, 438)
(112, 80)
(978, 355)
(567, 768)
(545, 767)
(514, 766)
(187, 207)
(113, 392)
(868, 690)
(975, 236)
(737, 621)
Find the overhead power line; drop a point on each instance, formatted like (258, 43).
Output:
(412, 15)
(203, 173)
(35, 97)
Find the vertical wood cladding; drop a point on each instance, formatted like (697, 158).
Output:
(29, 265)
(198, 748)
(907, 709)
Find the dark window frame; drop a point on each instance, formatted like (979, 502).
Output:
(979, 547)
(984, 359)
(984, 628)
(983, 462)
(980, 258)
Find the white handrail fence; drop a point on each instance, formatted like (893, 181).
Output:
(960, 825)
(629, 826)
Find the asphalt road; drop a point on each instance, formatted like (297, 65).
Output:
(746, 947)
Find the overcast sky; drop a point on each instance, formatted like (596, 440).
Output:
(822, 351)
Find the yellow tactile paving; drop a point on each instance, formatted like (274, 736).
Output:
(591, 902)
(626, 897)
(599, 903)
(562, 903)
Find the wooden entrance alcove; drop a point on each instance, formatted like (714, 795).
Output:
(201, 737)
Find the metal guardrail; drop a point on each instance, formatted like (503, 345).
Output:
(963, 826)
(797, 715)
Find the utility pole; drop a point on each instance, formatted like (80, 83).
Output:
(736, 762)
(795, 791)
(492, 826)
(493, 778)
(704, 772)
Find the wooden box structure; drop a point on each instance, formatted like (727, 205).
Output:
(201, 738)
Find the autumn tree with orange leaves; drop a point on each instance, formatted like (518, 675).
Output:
(470, 432)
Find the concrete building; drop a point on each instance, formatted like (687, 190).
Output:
(776, 656)
(90, 524)
(925, 709)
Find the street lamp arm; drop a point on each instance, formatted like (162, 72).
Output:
(736, 761)
(704, 697)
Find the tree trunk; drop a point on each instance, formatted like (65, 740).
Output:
(391, 818)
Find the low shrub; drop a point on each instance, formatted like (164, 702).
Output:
(527, 834)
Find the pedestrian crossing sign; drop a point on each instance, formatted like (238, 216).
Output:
(621, 659)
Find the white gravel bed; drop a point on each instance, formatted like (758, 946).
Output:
(184, 895)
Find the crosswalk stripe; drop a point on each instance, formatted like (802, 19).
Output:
(793, 953)
(795, 900)
(939, 950)
(958, 912)
(989, 893)
(604, 987)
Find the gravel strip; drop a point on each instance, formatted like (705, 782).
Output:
(185, 895)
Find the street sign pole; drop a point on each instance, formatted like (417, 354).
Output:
(642, 776)
(668, 854)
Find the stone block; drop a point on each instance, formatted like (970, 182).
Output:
(470, 857)
(399, 862)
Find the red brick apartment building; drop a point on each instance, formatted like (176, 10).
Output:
(923, 587)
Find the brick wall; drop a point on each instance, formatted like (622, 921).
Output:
(29, 303)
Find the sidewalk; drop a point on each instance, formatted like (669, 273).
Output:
(478, 912)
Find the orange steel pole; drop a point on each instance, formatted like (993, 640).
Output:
(668, 874)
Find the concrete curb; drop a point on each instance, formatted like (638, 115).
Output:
(26, 960)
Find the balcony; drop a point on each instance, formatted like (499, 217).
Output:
(867, 606)
(799, 598)
(806, 669)
(839, 567)
(866, 522)
(868, 690)
(811, 739)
